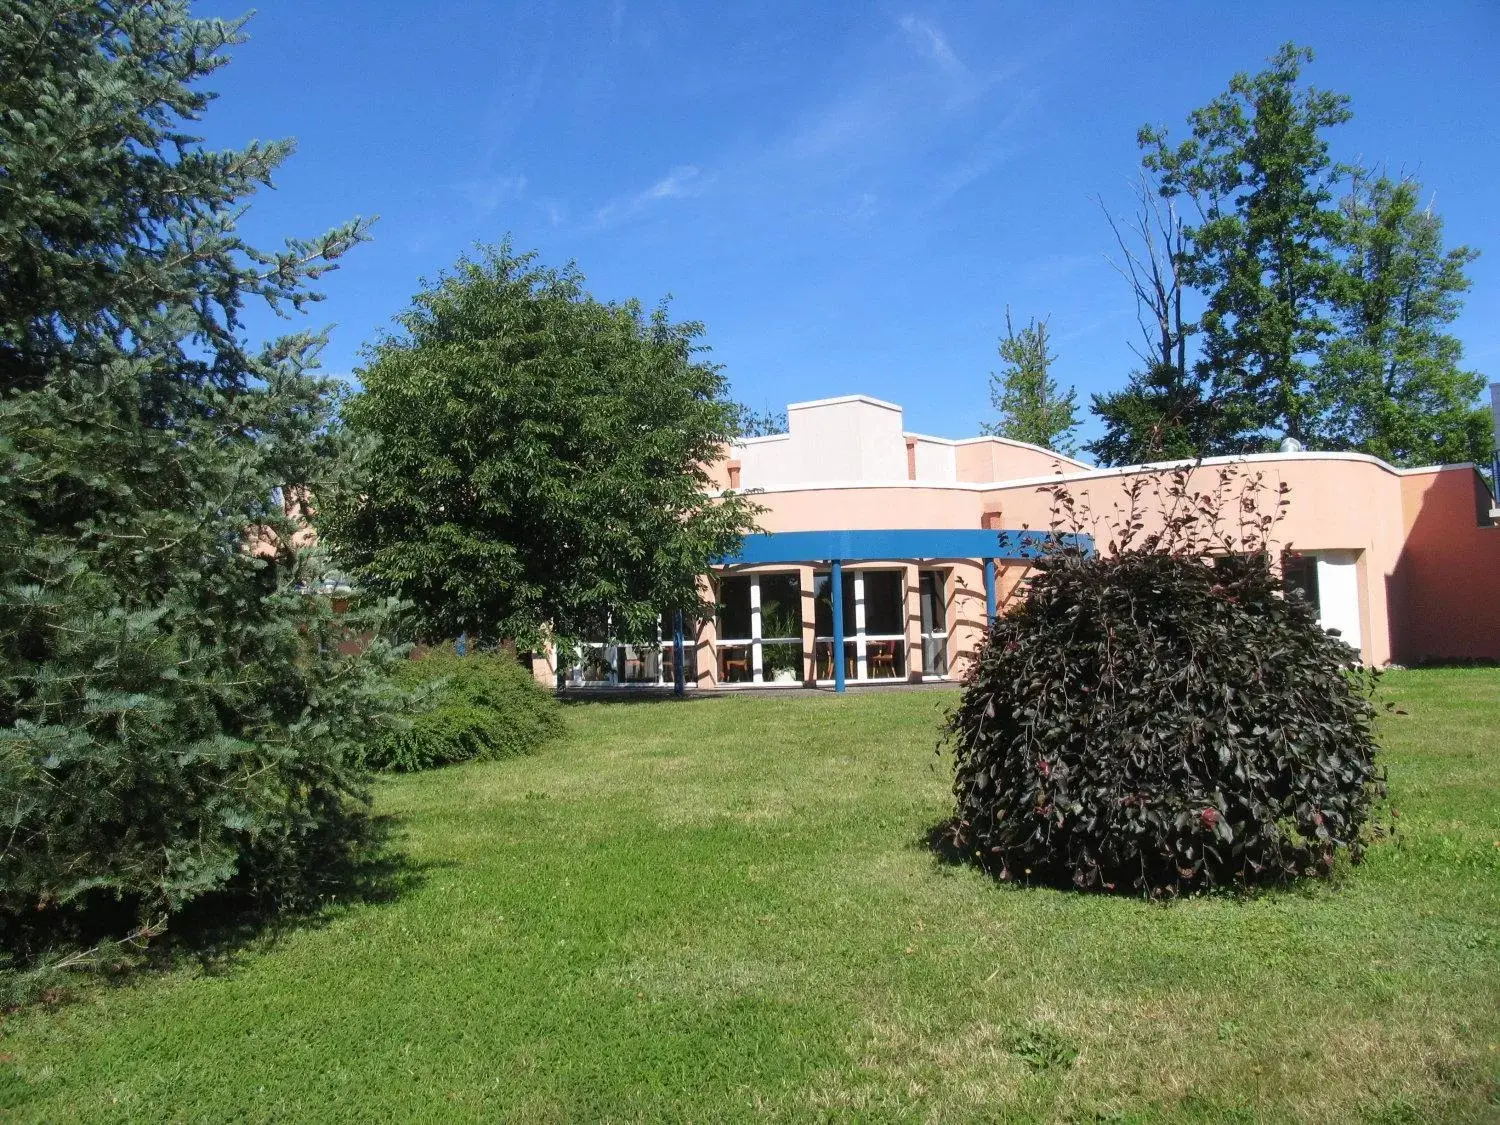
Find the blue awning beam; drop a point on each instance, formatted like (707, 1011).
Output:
(900, 543)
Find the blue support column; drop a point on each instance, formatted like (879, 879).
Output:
(836, 590)
(989, 592)
(679, 674)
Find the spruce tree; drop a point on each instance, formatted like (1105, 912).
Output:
(1031, 406)
(175, 716)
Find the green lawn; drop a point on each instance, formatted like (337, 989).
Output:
(723, 909)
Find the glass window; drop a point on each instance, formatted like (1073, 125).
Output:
(932, 585)
(886, 660)
(823, 660)
(935, 656)
(1300, 573)
(781, 662)
(597, 663)
(823, 604)
(780, 606)
(734, 664)
(689, 661)
(734, 607)
(885, 608)
(934, 614)
(639, 665)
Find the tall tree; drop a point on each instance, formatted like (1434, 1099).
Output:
(1394, 370)
(1257, 171)
(1166, 410)
(1031, 405)
(533, 460)
(174, 714)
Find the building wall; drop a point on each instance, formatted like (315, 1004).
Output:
(1336, 502)
(1446, 581)
(933, 459)
(983, 460)
(1408, 560)
(841, 439)
(1423, 561)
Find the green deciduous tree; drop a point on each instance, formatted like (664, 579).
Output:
(753, 423)
(1031, 405)
(533, 460)
(1317, 319)
(1394, 371)
(174, 715)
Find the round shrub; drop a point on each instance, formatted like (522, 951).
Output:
(478, 706)
(1161, 723)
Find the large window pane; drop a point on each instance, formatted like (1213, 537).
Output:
(639, 665)
(1301, 574)
(935, 656)
(823, 604)
(689, 662)
(734, 664)
(885, 660)
(823, 660)
(780, 606)
(885, 609)
(934, 616)
(781, 663)
(734, 608)
(597, 663)
(932, 585)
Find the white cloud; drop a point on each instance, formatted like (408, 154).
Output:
(933, 44)
(682, 182)
(485, 194)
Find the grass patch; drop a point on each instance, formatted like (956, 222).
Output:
(726, 909)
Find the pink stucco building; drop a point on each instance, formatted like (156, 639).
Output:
(1405, 563)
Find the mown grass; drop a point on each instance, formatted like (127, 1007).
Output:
(725, 909)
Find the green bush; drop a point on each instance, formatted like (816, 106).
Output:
(479, 706)
(1159, 722)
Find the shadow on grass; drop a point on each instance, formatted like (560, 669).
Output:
(217, 929)
(57, 954)
(945, 842)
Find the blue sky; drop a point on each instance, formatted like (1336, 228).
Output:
(848, 195)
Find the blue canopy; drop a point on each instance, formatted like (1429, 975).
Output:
(900, 543)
